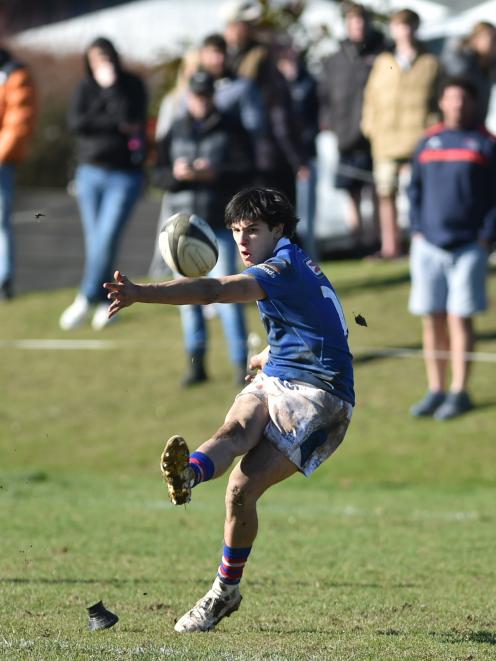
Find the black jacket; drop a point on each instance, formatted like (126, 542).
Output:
(96, 115)
(227, 148)
(343, 79)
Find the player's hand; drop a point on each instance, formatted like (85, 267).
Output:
(258, 360)
(182, 170)
(123, 293)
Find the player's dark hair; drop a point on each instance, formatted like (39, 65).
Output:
(463, 83)
(265, 204)
(216, 41)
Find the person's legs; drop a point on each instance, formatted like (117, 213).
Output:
(354, 215)
(261, 467)
(457, 400)
(7, 178)
(388, 221)
(436, 345)
(428, 299)
(242, 430)
(461, 333)
(121, 191)
(386, 175)
(90, 188)
(467, 296)
(195, 341)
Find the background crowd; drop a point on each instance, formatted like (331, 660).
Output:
(246, 108)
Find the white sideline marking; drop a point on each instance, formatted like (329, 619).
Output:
(373, 352)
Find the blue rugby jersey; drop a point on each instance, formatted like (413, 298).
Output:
(452, 192)
(305, 324)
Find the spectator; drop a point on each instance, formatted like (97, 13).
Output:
(303, 90)
(238, 97)
(399, 103)
(343, 79)
(202, 161)
(17, 119)
(453, 223)
(247, 57)
(108, 115)
(475, 58)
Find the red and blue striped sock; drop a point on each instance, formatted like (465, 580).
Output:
(202, 466)
(232, 564)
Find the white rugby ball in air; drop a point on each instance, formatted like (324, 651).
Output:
(188, 245)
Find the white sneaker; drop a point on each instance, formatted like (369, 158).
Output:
(210, 311)
(219, 602)
(75, 314)
(100, 318)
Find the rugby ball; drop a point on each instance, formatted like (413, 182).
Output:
(188, 245)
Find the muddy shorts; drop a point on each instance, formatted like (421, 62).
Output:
(306, 423)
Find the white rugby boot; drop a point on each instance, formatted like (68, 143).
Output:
(176, 471)
(76, 314)
(219, 602)
(100, 318)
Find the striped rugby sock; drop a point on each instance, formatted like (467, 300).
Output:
(232, 564)
(202, 466)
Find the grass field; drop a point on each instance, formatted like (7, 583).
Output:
(387, 552)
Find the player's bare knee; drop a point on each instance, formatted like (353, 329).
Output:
(240, 495)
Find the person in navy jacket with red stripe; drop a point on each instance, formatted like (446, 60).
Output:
(452, 198)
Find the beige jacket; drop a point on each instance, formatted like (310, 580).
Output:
(399, 105)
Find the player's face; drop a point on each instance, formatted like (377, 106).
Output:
(255, 240)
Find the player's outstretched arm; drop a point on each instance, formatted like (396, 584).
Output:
(185, 291)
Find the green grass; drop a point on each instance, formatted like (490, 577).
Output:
(386, 552)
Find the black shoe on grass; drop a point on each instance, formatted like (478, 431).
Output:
(100, 617)
(429, 404)
(455, 404)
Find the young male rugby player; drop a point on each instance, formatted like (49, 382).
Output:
(293, 414)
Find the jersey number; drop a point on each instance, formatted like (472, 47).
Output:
(328, 293)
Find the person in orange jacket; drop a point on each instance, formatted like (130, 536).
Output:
(17, 119)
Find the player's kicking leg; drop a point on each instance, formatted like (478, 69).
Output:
(262, 467)
(240, 432)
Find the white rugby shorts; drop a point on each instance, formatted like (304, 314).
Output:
(306, 423)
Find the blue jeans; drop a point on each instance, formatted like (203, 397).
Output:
(306, 197)
(231, 314)
(7, 180)
(106, 199)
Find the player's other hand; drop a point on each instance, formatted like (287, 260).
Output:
(123, 293)
(258, 360)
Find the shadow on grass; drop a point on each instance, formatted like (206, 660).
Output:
(483, 637)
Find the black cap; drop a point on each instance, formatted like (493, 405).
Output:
(202, 83)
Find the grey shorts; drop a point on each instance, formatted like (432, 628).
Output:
(306, 423)
(452, 281)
